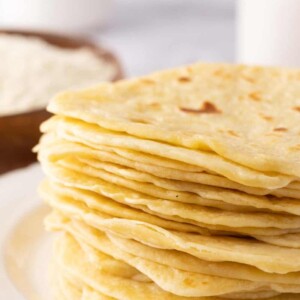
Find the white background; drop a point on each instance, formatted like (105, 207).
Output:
(157, 34)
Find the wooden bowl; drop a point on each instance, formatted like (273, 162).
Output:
(19, 133)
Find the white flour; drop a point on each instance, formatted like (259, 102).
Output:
(32, 71)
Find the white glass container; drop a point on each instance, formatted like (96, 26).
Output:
(268, 32)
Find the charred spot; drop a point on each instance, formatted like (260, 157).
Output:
(148, 81)
(296, 108)
(136, 120)
(190, 282)
(184, 79)
(255, 96)
(207, 108)
(233, 133)
(281, 129)
(154, 105)
(267, 118)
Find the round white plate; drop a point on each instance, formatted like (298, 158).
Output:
(25, 247)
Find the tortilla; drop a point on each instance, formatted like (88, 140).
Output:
(180, 283)
(207, 196)
(192, 107)
(279, 260)
(179, 185)
(55, 149)
(92, 136)
(171, 258)
(285, 240)
(74, 200)
(201, 215)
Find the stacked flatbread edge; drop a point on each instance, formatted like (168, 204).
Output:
(184, 184)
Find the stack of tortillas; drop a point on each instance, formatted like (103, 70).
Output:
(181, 185)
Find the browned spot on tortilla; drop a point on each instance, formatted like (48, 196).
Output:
(184, 79)
(190, 282)
(219, 72)
(267, 118)
(295, 147)
(147, 81)
(223, 74)
(296, 108)
(154, 105)
(136, 120)
(280, 129)
(207, 107)
(190, 69)
(233, 133)
(255, 96)
(249, 79)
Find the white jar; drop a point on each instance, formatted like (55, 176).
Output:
(268, 32)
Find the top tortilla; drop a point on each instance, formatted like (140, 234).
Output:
(250, 115)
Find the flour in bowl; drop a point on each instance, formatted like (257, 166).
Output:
(32, 71)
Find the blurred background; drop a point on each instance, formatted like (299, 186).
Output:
(145, 35)
(158, 34)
